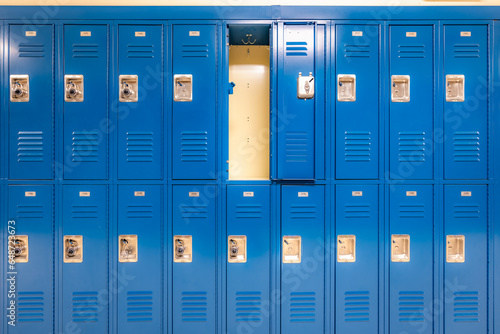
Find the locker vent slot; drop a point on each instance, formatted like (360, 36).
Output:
(296, 49)
(357, 306)
(466, 51)
(248, 211)
(194, 146)
(85, 145)
(30, 146)
(296, 146)
(357, 146)
(412, 146)
(144, 211)
(31, 50)
(466, 306)
(302, 307)
(84, 211)
(466, 146)
(193, 211)
(466, 211)
(357, 50)
(139, 146)
(194, 50)
(30, 306)
(85, 51)
(248, 306)
(30, 211)
(303, 212)
(194, 306)
(85, 307)
(411, 51)
(362, 210)
(140, 51)
(411, 306)
(139, 306)
(411, 211)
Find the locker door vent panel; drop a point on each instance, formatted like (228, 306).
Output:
(85, 51)
(31, 306)
(411, 306)
(85, 145)
(411, 51)
(190, 211)
(302, 307)
(466, 306)
(139, 306)
(194, 306)
(194, 146)
(412, 146)
(303, 212)
(31, 50)
(296, 49)
(362, 210)
(296, 146)
(466, 51)
(140, 146)
(248, 211)
(84, 211)
(85, 306)
(144, 211)
(466, 146)
(466, 211)
(140, 51)
(248, 306)
(357, 146)
(30, 211)
(30, 146)
(411, 211)
(194, 50)
(357, 306)
(357, 50)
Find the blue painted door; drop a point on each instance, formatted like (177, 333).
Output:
(357, 122)
(296, 117)
(303, 284)
(194, 122)
(140, 124)
(85, 288)
(248, 291)
(85, 133)
(194, 283)
(411, 123)
(465, 284)
(32, 209)
(31, 124)
(411, 283)
(357, 282)
(140, 301)
(466, 123)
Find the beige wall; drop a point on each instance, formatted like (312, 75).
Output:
(251, 2)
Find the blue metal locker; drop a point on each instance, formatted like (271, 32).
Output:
(85, 289)
(140, 123)
(466, 267)
(31, 114)
(32, 209)
(296, 116)
(140, 216)
(466, 114)
(195, 119)
(357, 277)
(411, 123)
(85, 119)
(194, 281)
(303, 280)
(412, 259)
(357, 106)
(248, 290)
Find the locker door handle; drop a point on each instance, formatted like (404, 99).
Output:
(21, 248)
(183, 248)
(455, 248)
(400, 88)
(73, 248)
(292, 252)
(19, 88)
(455, 88)
(400, 248)
(237, 249)
(128, 250)
(346, 88)
(346, 248)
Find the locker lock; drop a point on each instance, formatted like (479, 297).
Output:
(73, 249)
(128, 88)
(128, 248)
(19, 88)
(74, 88)
(183, 248)
(237, 249)
(21, 249)
(305, 86)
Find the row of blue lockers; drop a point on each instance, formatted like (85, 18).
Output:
(97, 101)
(250, 259)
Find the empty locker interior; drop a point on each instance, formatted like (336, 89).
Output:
(268, 169)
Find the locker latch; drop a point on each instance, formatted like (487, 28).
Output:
(183, 87)
(183, 248)
(305, 86)
(400, 248)
(19, 88)
(455, 248)
(128, 248)
(455, 88)
(21, 250)
(231, 86)
(291, 249)
(400, 88)
(73, 248)
(346, 87)
(346, 248)
(237, 249)
(129, 88)
(74, 88)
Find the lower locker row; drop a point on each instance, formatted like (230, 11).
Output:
(146, 257)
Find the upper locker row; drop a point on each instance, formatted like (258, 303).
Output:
(292, 146)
